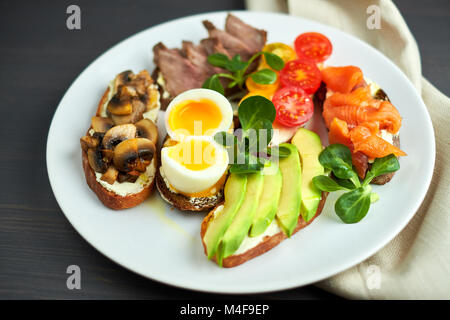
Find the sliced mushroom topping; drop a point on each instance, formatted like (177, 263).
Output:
(99, 135)
(126, 92)
(138, 107)
(147, 129)
(95, 159)
(110, 175)
(134, 154)
(101, 124)
(89, 142)
(124, 177)
(136, 115)
(141, 81)
(108, 155)
(122, 78)
(119, 107)
(117, 134)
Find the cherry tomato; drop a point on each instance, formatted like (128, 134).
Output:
(301, 73)
(313, 46)
(285, 52)
(293, 105)
(263, 89)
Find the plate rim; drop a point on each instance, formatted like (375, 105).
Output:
(274, 288)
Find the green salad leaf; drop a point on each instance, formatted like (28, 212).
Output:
(338, 158)
(213, 83)
(325, 183)
(274, 61)
(235, 64)
(218, 60)
(237, 70)
(353, 205)
(248, 146)
(264, 76)
(382, 166)
(254, 109)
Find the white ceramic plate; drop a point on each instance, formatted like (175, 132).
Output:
(163, 244)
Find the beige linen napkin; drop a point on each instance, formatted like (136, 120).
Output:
(416, 263)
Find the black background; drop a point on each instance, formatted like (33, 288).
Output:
(39, 59)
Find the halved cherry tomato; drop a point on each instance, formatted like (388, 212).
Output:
(313, 46)
(293, 105)
(285, 52)
(264, 89)
(301, 73)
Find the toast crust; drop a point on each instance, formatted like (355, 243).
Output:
(102, 102)
(268, 242)
(183, 202)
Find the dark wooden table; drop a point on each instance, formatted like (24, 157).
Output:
(39, 59)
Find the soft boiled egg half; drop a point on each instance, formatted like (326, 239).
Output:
(198, 112)
(194, 164)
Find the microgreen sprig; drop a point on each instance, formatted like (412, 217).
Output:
(248, 146)
(238, 70)
(353, 205)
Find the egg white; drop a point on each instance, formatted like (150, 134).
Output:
(192, 181)
(198, 94)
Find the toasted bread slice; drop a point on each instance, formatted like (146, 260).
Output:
(319, 98)
(185, 203)
(181, 201)
(137, 191)
(266, 242)
(112, 199)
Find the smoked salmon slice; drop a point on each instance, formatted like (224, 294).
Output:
(363, 141)
(339, 133)
(354, 118)
(369, 111)
(342, 79)
(357, 97)
(372, 145)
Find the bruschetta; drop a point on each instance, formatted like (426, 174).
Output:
(119, 150)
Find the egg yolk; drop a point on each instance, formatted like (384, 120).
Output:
(195, 117)
(193, 154)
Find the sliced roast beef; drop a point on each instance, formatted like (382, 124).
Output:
(179, 73)
(198, 55)
(232, 44)
(188, 68)
(254, 38)
(213, 45)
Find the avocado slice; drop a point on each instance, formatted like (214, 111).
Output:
(309, 146)
(235, 189)
(242, 220)
(290, 199)
(268, 203)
